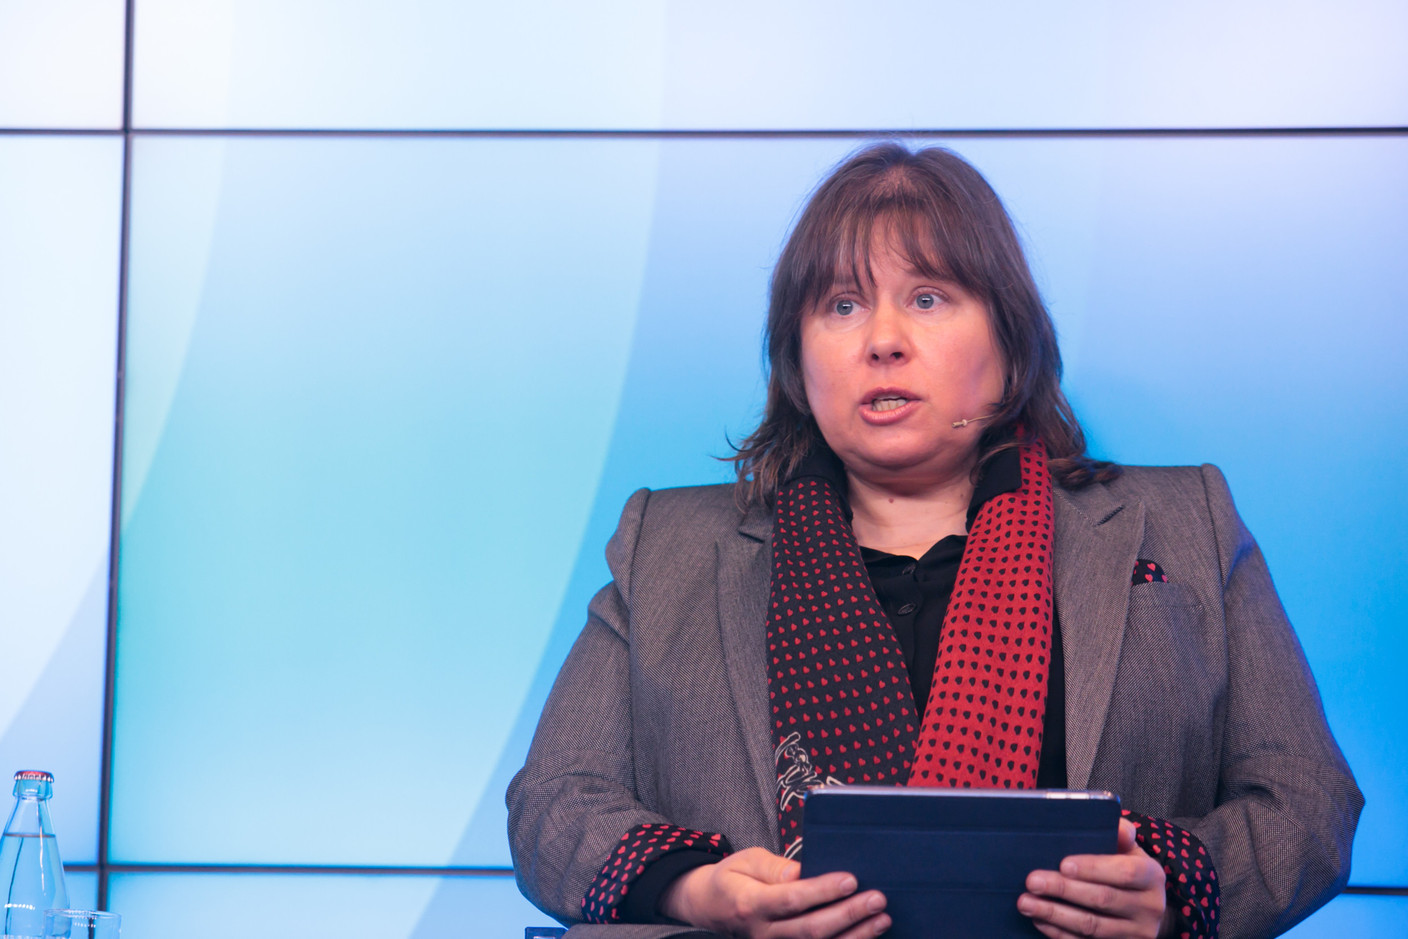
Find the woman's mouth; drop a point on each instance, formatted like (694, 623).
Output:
(887, 406)
(888, 403)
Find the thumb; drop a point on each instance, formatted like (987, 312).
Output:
(768, 867)
(1124, 841)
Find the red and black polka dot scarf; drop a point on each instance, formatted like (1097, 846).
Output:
(842, 707)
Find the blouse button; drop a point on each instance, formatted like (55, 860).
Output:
(908, 569)
(907, 609)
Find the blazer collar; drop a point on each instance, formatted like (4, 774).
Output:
(1096, 542)
(745, 574)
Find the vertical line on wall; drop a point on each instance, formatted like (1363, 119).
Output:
(115, 524)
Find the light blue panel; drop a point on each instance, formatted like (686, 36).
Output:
(61, 63)
(908, 64)
(1190, 280)
(82, 887)
(294, 906)
(370, 389)
(785, 64)
(1356, 916)
(383, 63)
(1241, 307)
(60, 199)
(694, 381)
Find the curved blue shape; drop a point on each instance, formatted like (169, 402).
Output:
(312, 565)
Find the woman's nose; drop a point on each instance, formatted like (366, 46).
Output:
(887, 339)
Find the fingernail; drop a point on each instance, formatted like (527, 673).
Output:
(1036, 883)
(1026, 905)
(882, 925)
(876, 903)
(849, 884)
(1070, 868)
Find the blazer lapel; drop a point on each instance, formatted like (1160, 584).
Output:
(745, 566)
(1097, 541)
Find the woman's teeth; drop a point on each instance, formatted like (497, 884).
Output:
(888, 404)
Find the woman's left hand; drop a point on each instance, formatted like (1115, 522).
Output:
(1104, 895)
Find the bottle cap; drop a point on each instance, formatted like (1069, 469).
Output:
(34, 774)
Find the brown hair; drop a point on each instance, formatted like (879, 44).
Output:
(948, 223)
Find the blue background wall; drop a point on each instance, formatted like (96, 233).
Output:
(402, 289)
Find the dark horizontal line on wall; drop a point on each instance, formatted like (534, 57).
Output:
(786, 134)
(59, 132)
(307, 869)
(1357, 890)
(1377, 891)
(858, 134)
(1365, 890)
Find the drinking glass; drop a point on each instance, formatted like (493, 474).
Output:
(81, 924)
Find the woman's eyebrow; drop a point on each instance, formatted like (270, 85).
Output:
(931, 273)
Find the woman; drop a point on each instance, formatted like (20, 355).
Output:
(921, 578)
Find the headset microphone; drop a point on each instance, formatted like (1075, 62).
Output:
(970, 420)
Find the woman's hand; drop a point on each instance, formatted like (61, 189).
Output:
(1103, 895)
(756, 894)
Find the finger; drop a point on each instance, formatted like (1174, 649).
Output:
(784, 901)
(1055, 932)
(762, 864)
(874, 926)
(1124, 840)
(1126, 871)
(1099, 898)
(835, 919)
(1070, 919)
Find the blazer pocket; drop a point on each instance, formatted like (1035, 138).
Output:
(1169, 622)
(1161, 594)
(1173, 649)
(1170, 687)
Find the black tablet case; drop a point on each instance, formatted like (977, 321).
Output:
(952, 862)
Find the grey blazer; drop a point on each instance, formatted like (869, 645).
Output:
(1190, 699)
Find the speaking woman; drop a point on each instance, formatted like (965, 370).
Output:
(920, 578)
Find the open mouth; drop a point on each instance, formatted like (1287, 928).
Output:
(888, 403)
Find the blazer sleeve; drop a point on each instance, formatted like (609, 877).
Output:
(575, 794)
(1287, 805)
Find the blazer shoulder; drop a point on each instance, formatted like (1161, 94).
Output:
(1154, 479)
(1182, 489)
(672, 527)
(694, 510)
(717, 498)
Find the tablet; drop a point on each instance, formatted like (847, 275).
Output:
(952, 862)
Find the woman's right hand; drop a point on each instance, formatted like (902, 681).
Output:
(757, 894)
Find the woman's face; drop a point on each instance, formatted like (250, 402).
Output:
(890, 366)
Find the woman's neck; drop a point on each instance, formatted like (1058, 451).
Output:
(909, 521)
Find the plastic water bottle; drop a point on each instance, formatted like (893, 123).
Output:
(31, 874)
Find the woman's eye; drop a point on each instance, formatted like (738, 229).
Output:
(926, 301)
(844, 307)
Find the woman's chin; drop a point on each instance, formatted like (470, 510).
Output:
(909, 469)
